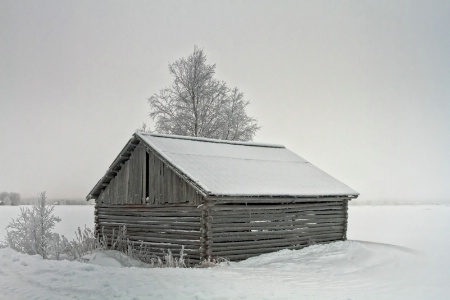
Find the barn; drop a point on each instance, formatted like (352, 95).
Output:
(218, 198)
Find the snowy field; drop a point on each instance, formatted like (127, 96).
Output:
(393, 252)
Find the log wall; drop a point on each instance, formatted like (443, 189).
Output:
(240, 231)
(158, 228)
(234, 231)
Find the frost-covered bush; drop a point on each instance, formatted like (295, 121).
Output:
(84, 243)
(31, 232)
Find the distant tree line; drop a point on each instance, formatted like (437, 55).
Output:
(9, 198)
(15, 199)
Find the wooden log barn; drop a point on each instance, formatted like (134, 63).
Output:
(218, 198)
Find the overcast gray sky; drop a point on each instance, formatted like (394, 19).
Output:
(359, 88)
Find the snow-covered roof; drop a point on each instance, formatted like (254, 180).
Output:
(225, 168)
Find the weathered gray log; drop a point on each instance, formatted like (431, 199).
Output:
(277, 231)
(153, 219)
(251, 252)
(155, 228)
(244, 254)
(272, 228)
(164, 207)
(130, 212)
(254, 236)
(175, 226)
(176, 241)
(268, 247)
(260, 207)
(246, 240)
(283, 243)
(168, 234)
(245, 219)
(165, 246)
(271, 224)
(277, 214)
(275, 219)
(279, 210)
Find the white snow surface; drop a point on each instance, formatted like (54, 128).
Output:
(245, 169)
(404, 256)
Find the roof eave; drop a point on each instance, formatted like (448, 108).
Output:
(278, 198)
(218, 196)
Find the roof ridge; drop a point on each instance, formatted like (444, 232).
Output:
(209, 140)
(239, 158)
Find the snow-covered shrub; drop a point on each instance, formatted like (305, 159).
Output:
(84, 243)
(31, 232)
(57, 246)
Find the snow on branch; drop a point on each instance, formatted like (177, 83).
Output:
(197, 104)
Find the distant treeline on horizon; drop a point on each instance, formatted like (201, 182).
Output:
(15, 199)
(58, 201)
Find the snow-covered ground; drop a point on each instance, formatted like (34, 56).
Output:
(393, 252)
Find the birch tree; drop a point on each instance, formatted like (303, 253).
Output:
(197, 104)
